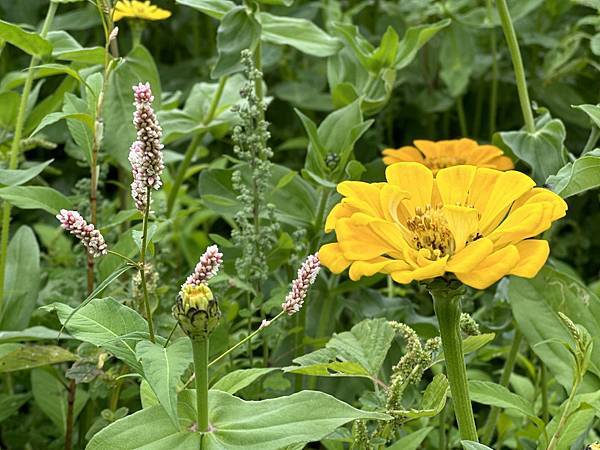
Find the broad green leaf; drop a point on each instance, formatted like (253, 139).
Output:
(213, 8)
(361, 48)
(16, 177)
(50, 395)
(298, 33)
(106, 323)
(295, 205)
(82, 134)
(470, 445)
(66, 48)
(22, 279)
(470, 344)
(31, 43)
(137, 67)
(237, 31)
(411, 441)
(414, 39)
(57, 116)
(238, 424)
(434, 399)
(457, 56)
(494, 394)
(535, 305)
(36, 197)
(577, 425)
(46, 70)
(37, 333)
(51, 103)
(384, 56)
(163, 368)
(10, 108)
(239, 379)
(10, 404)
(576, 177)
(543, 149)
(29, 356)
(593, 112)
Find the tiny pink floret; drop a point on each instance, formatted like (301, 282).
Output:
(307, 274)
(85, 232)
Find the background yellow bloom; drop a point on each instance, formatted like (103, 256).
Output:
(441, 154)
(134, 9)
(474, 222)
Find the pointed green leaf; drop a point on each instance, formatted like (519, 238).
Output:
(29, 356)
(31, 43)
(239, 379)
(36, 197)
(577, 177)
(20, 176)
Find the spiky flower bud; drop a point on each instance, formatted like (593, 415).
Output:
(197, 311)
(468, 325)
(207, 267)
(85, 232)
(307, 274)
(145, 154)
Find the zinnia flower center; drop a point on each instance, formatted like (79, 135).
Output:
(443, 161)
(430, 231)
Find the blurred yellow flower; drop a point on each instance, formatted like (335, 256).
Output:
(134, 9)
(474, 222)
(441, 154)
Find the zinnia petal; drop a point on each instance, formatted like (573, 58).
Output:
(533, 254)
(471, 256)
(463, 223)
(454, 184)
(414, 178)
(331, 256)
(491, 269)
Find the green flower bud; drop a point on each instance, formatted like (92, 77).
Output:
(197, 311)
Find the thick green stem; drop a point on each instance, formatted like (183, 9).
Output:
(446, 303)
(143, 265)
(517, 61)
(565, 415)
(200, 348)
(191, 150)
(509, 365)
(15, 148)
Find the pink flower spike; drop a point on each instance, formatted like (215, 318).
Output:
(86, 233)
(145, 154)
(307, 274)
(207, 267)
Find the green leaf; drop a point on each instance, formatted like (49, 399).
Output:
(411, 441)
(237, 31)
(16, 177)
(31, 43)
(57, 116)
(50, 69)
(298, 33)
(238, 424)
(457, 56)
(81, 133)
(385, 54)
(414, 39)
(593, 112)
(22, 279)
(213, 8)
(10, 404)
(536, 304)
(37, 333)
(36, 197)
(138, 66)
(543, 149)
(163, 368)
(10, 107)
(66, 48)
(471, 344)
(470, 445)
(494, 394)
(579, 176)
(434, 399)
(29, 356)
(239, 379)
(50, 395)
(106, 323)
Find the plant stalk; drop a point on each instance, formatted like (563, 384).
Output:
(565, 415)
(494, 87)
(143, 265)
(15, 148)
(462, 120)
(446, 303)
(509, 365)
(517, 61)
(200, 348)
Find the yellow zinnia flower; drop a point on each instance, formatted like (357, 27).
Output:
(441, 154)
(134, 9)
(474, 222)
